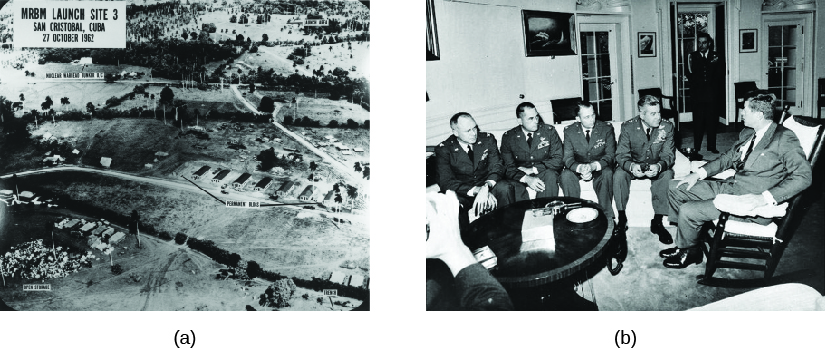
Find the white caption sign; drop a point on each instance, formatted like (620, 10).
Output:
(70, 24)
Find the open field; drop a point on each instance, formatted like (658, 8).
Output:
(322, 109)
(79, 93)
(158, 276)
(290, 241)
(339, 56)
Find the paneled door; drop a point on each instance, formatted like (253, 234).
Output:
(786, 46)
(600, 68)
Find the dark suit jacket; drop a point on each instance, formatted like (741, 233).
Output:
(776, 164)
(634, 147)
(545, 154)
(455, 170)
(478, 290)
(601, 148)
(706, 78)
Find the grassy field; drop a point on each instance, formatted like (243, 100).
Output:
(283, 239)
(79, 93)
(158, 276)
(323, 110)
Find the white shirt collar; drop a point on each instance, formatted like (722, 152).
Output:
(760, 133)
(526, 132)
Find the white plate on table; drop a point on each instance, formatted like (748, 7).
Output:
(582, 215)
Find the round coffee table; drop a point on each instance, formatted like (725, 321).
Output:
(577, 245)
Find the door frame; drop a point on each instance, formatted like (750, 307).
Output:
(623, 89)
(805, 88)
(614, 60)
(731, 56)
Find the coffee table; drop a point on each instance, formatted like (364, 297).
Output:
(577, 245)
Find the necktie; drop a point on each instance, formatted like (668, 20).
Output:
(648, 133)
(750, 149)
(587, 135)
(530, 139)
(470, 152)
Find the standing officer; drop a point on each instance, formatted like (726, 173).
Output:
(645, 150)
(532, 154)
(706, 74)
(589, 154)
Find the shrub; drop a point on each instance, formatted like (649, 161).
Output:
(165, 236)
(117, 269)
(180, 238)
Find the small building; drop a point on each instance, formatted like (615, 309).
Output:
(108, 232)
(358, 149)
(356, 280)
(308, 194)
(286, 188)
(86, 60)
(163, 154)
(337, 277)
(342, 147)
(346, 153)
(71, 224)
(106, 162)
(329, 199)
(87, 228)
(117, 237)
(263, 184)
(197, 175)
(221, 175)
(25, 197)
(241, 181)
(99, 231)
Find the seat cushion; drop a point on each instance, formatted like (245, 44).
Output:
(805, 134)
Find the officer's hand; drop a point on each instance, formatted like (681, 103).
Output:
(636, 170)
(653, 171)
(535, 183)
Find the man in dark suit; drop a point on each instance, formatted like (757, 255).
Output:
(645, 150)
(468, 164)
(532, 154)
(706, 73)
(455, 281)
(589, 154)
(770, 168)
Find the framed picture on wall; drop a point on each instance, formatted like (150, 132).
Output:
(433, 51)
(747, 40)
(549, 33)
(647, 44)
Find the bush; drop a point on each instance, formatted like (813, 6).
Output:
(117, 269)
(165, 236)
(180, 238)
(278, 294)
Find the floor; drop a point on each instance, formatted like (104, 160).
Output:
(644, 284)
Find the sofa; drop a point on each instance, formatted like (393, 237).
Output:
(640, 196)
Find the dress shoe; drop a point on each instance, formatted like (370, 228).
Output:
(684, 258)
(714, 151)
(657, 228)
(669, 252)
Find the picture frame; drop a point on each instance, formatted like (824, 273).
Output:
(433, 50)
(548, 33)
(647, 44)
(748, 40)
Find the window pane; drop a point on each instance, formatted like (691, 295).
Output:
(605, 85)
(790, 77)
(605, 110)
(591, 66)
(789, 35)
(602, 41)
(774, 35)
(790, 97)
(774, 77)
(587, 42)
(593, 89)
(604, 65)
(790, 53)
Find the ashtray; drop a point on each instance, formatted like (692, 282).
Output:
(582, 215)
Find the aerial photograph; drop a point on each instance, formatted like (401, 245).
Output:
(220, 161)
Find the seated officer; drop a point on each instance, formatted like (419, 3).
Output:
(589, 153)
(468, 164)
(532, 154)
(645, 150)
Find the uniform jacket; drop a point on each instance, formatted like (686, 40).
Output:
(545, 154)
(458, 173)
(705, 73)
(633, 146)
(776, 164)
(601, 148)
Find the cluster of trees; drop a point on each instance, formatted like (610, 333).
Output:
(208, 248)
(278, 293)
(309, 122)
(269, 159)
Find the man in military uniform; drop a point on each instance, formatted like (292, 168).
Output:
(532, 154)
(706, 73)
(469, 164)
(589, 154)
(645, 150)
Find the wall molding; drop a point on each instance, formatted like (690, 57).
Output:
(495, 119)
(603, 6)
(788, 5)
